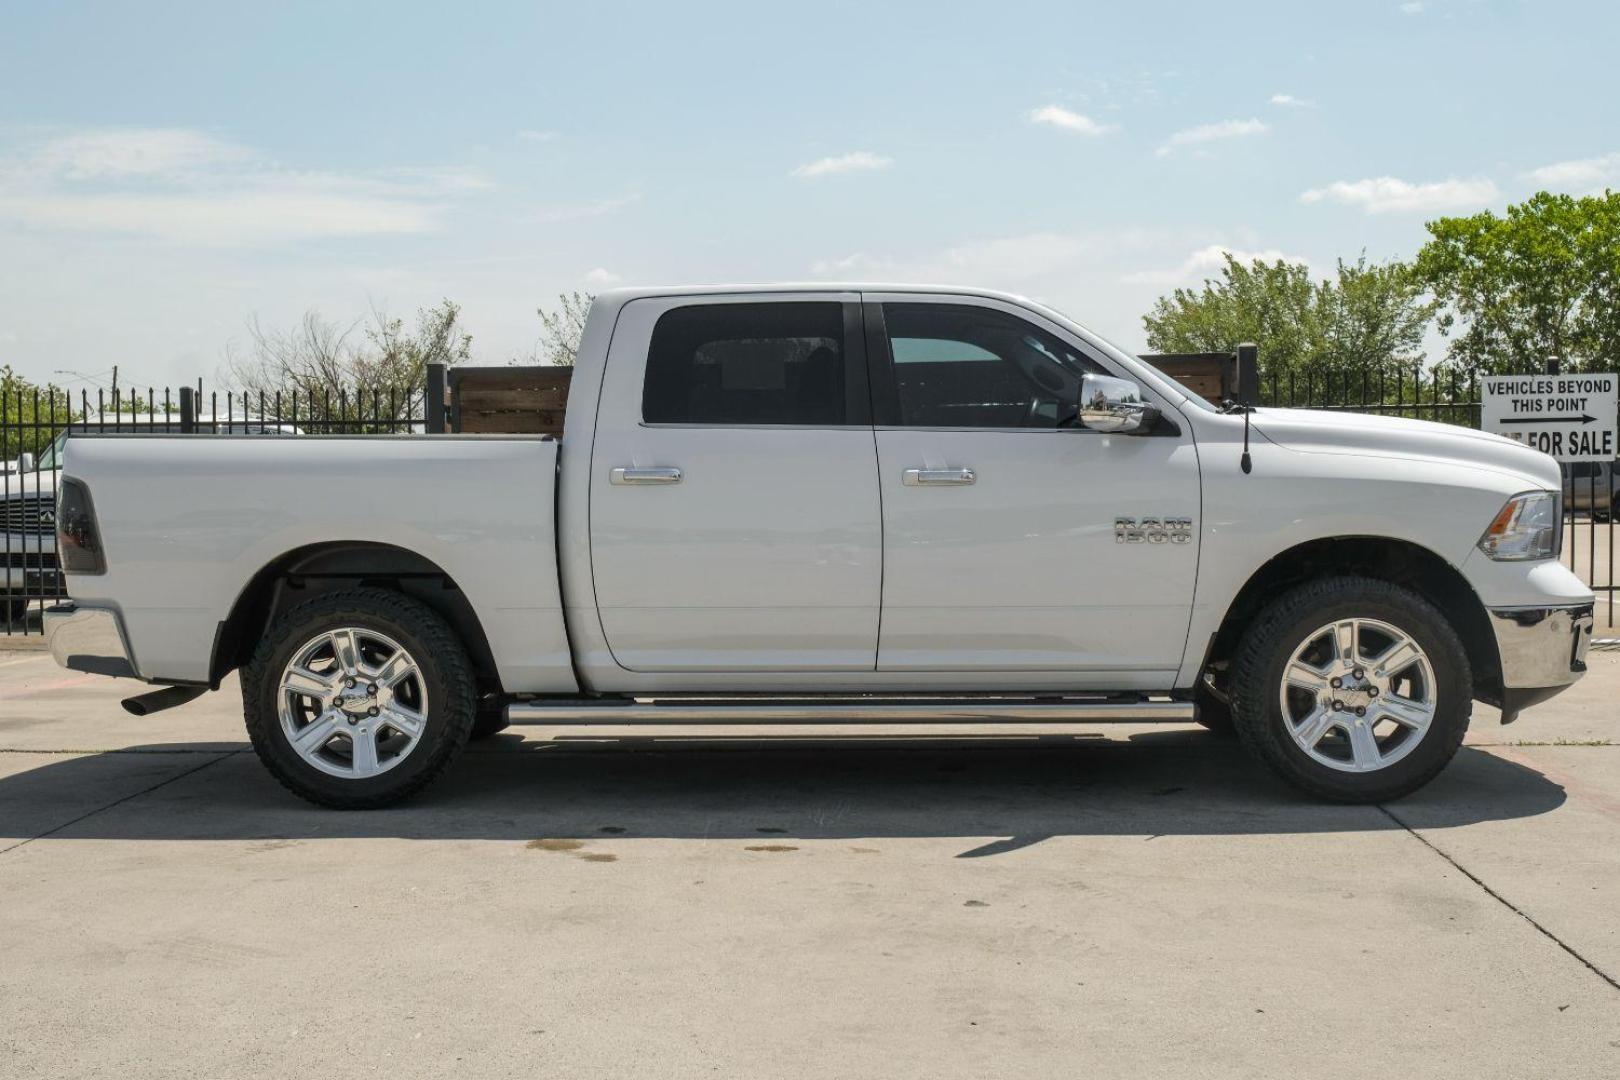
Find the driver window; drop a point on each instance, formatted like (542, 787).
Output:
(956, 365)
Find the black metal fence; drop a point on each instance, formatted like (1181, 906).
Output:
(34, 423)
(1591, 494)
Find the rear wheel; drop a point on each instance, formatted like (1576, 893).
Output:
(1353, 689)
(358, 699)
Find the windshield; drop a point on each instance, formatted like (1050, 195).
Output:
(52, 456)
(1096, 339)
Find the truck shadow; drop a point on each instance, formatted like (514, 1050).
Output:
(997, 793)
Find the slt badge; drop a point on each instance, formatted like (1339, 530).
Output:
(1152, 530)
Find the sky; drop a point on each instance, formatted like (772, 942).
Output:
(170, 172)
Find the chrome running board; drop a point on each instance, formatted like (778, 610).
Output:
(742, 710)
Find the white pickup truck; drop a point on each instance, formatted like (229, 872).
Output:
(805, 503)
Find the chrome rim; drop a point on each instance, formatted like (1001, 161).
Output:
(1358, 695)
(353, 702)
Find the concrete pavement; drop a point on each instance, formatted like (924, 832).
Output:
(1115, 901)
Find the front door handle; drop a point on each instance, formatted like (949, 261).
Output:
(646, 474)
(953, 477)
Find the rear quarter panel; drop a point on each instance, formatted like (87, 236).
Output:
(187, 522)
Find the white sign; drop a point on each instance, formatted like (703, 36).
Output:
(1571, 417)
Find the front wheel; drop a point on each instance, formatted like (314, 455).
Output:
(359, 698)
(1354, 689)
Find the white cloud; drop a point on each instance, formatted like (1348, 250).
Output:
(1584, 173)
(1023, 261)
(1205, 262)
(1386, 194)
(433, 180)
(858, 161)
(1003, 259)
(1412, 7)
(257, 217)
(1059, 117)
(117, 154)
(188, 187)
(1289, 101)
(532, 135)
(1205, 133)
(601, 277)
(576, 211)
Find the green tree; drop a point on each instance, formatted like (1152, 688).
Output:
(335, 374)
(1367, 317)
(561, 329)
(1540, 281)
(30, 414)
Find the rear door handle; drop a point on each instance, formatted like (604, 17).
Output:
(953, 477)
(646, 474)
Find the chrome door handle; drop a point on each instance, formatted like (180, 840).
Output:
(648, 474)
(941, 477)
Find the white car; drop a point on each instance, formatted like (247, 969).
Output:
(27, 546)
(871, 503)
(1593, 486)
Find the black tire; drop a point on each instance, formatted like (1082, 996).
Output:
(1268, 645)
(444, 670)
(16, 612)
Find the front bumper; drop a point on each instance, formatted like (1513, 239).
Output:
(1542, 649)
(89, 639)
(33, 573)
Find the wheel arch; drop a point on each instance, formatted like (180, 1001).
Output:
(1399, 562)
(306, 572)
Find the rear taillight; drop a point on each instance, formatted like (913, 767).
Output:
(77, 541)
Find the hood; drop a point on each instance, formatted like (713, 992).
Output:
(15, 484)
(1325, 431)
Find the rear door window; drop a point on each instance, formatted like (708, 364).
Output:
(749, 364)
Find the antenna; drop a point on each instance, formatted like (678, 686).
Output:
(1248, 373)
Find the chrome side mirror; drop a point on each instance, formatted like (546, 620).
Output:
(1114, 406)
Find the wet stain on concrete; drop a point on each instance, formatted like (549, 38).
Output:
(559, 844)
(570, 846)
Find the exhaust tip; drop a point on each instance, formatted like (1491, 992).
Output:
(158, 700)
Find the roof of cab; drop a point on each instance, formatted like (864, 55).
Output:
(626, 294)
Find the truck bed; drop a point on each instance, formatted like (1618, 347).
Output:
(189, 523)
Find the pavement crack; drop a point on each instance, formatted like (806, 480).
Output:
(119, 802)
(1500, 899)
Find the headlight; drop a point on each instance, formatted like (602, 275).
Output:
(1526, 528)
